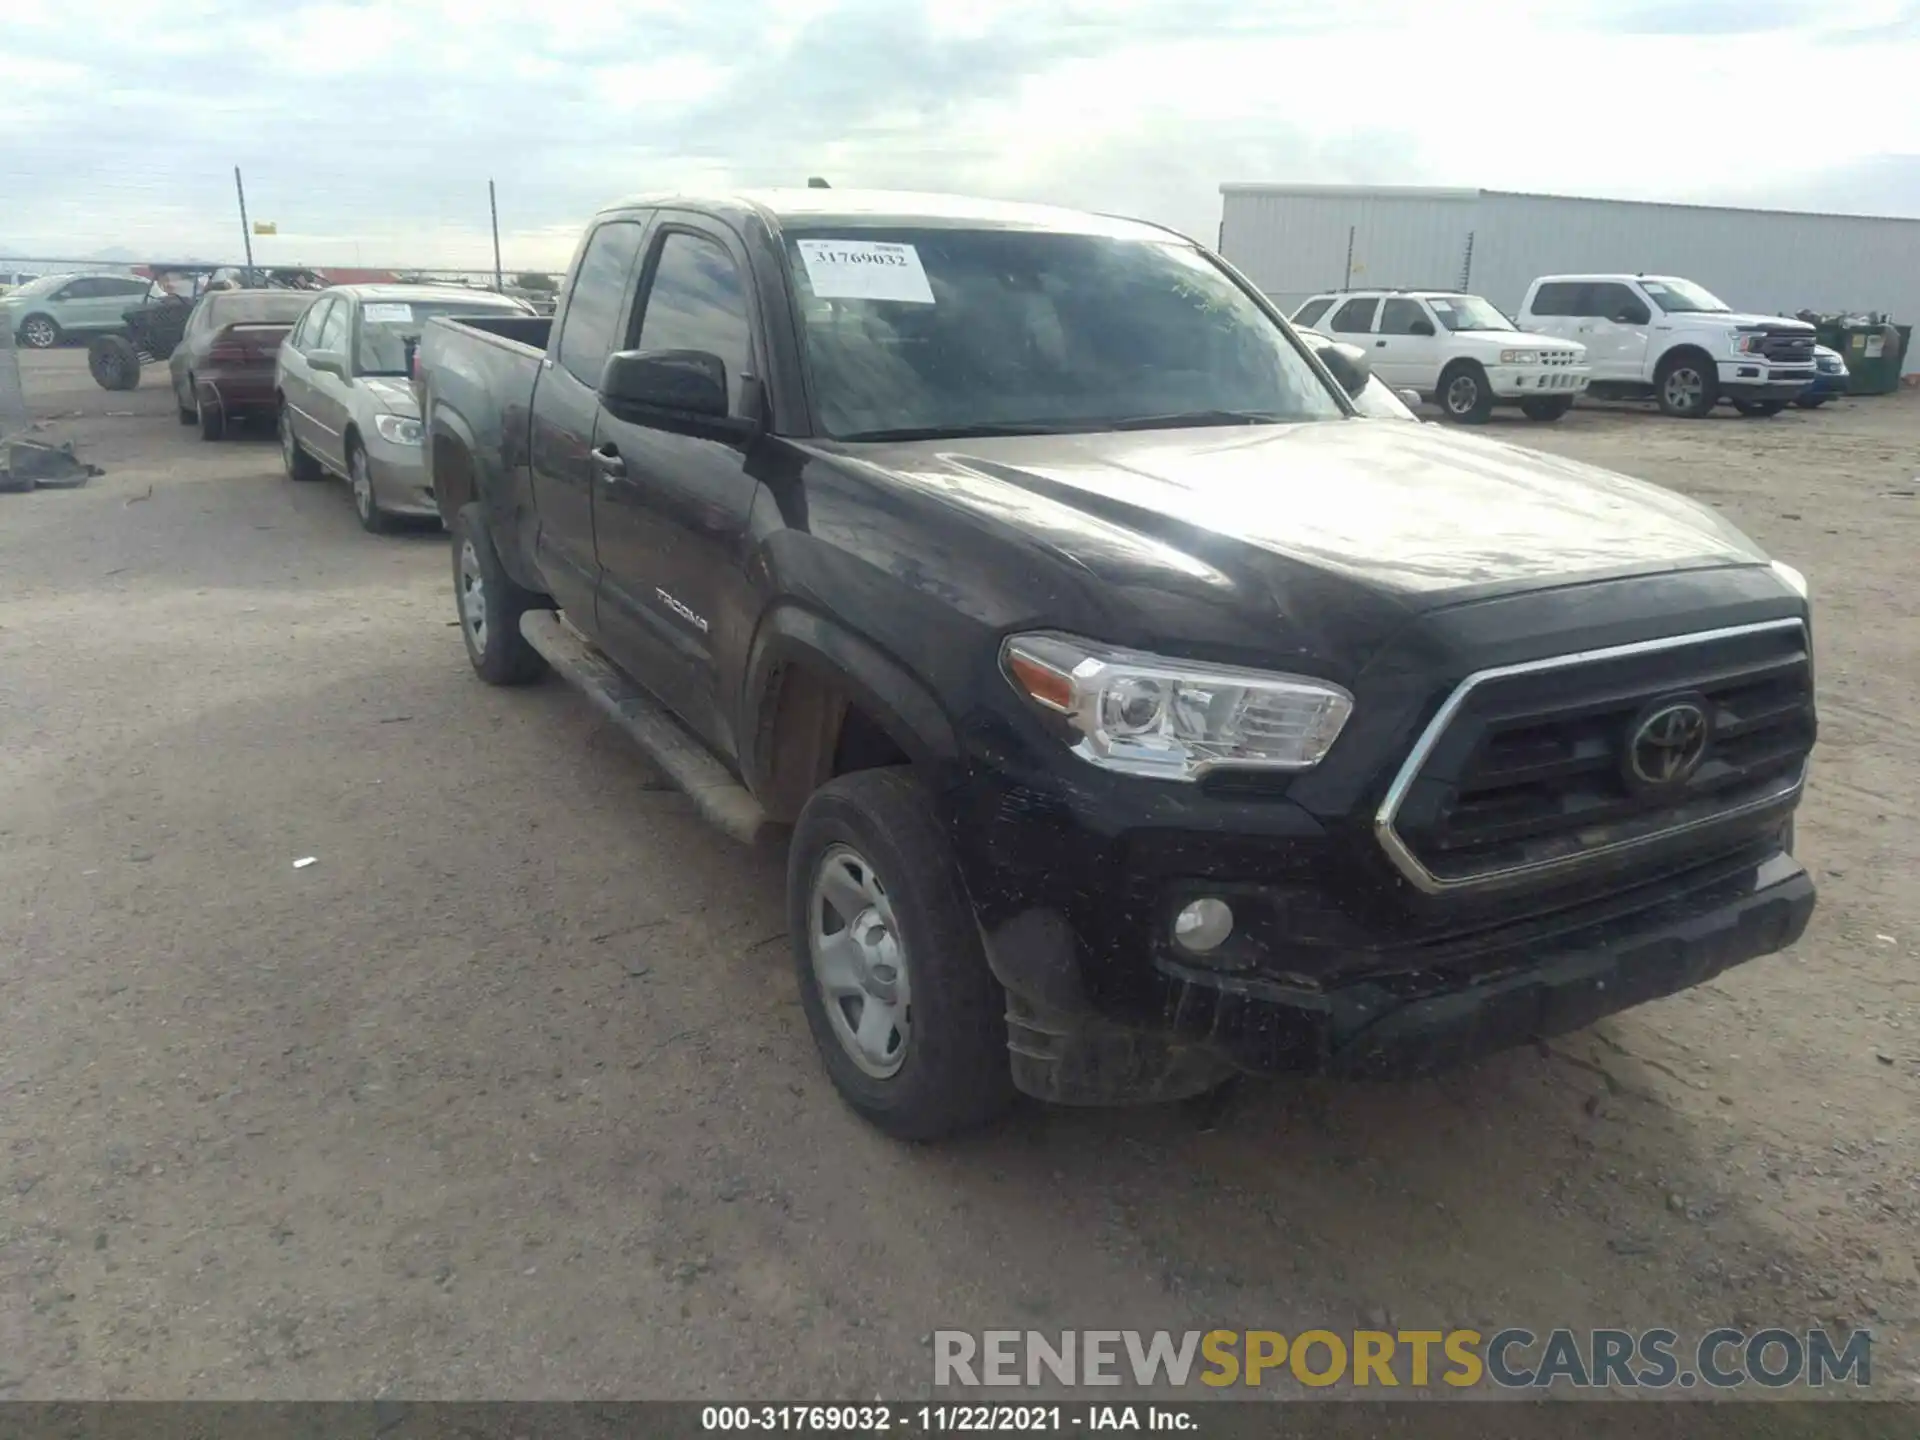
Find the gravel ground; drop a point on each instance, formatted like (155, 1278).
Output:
(508, 1093)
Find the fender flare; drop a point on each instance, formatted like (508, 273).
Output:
(890, 694)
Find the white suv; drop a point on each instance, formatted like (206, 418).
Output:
(1669, 339)
(1455, 350)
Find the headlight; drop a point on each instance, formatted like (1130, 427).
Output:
(397, 428)
(1176, 719)
(1795, 581)
(1749, 344)
(1519, 357)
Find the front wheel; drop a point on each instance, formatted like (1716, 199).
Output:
(1546, 410)
(908, 1019)
(1464, 395)
(491, 605)
(1688, 387)
(113, 362)
(366, 503)
(1759, 407)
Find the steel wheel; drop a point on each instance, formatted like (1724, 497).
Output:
(40, 333)
(859, 962)
(473, 598)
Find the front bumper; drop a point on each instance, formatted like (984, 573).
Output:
(400, 480)
(1757, 380)
(1537, 382)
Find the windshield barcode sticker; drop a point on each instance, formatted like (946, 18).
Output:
(386, 313)
(865, 270)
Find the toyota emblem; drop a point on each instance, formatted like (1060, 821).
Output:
(1668, 744)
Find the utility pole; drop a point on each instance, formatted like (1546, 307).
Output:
(493, 208)
(246, 231)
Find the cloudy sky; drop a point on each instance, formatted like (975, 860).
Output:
(368, 131)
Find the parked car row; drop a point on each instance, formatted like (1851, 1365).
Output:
(1136, 709)
(1610, 336)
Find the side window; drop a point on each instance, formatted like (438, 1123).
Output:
(594, 313)
(309, 326)
(1558, 297)
(85, 288)
(1355, 317)
(333, 328)
(1310, 312)
(1398, 317)
(126, 287)
(1612, 301)
(698, 302)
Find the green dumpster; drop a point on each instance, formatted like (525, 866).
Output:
(1873, 349)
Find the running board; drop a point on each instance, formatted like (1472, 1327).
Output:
(716, 794)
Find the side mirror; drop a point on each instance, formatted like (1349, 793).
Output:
(693, 382)
(331, 362)
(1421, 327)
(1349, 365)
(1410, 399)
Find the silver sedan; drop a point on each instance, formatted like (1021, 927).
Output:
(345, 399)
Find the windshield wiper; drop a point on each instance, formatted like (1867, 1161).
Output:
(1182, 418)
(962, 432)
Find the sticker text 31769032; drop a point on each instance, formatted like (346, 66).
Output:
(865, 270)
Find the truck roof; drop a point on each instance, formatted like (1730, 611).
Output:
(880, 208)
(1621, 275)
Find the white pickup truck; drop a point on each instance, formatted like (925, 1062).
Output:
(1661, 337)
(1454, 349)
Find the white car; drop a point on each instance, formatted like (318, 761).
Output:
(1668, 339)
(1455, 350)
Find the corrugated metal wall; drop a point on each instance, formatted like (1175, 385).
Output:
(1293, 242)
(1292, 245)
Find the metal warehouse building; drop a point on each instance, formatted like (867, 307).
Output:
(1296, 240)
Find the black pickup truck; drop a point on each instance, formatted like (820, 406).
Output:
(1141, 712)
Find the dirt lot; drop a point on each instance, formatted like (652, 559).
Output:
(509, 1093)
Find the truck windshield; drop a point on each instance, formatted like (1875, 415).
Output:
(1683, 297)
(388, 326)
(921, 333)
(1468, 312)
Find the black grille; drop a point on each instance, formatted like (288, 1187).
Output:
(1533, 768)
(1787, 349)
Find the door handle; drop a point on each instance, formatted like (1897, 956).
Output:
(608, 463)
(1379, 344)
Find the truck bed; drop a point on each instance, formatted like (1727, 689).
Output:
(474, 378)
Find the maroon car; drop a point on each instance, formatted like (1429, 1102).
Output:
(223, 368)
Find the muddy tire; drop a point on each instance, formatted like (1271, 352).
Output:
(1759, 409)
(489, 604)
(113, 362)
(908, 1019)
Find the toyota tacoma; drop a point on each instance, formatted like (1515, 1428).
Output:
(1136, 712)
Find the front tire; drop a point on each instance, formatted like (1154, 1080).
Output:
(1464, 395)
(38, 332)
(490, 605)
(293, 455)
(113, 363)
(1546, 411)
(1759, 408)
(909, 1021)
(1688, 386)
(366, 503)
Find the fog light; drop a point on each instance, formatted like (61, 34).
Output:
(1203, 925)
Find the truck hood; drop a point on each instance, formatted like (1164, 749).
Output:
(1423, 514)
(1516, 339)
(1735, 318)
(392, 395)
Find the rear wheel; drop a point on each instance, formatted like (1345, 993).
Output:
(113, 362)
(908, 1019)
(1687, 385)
(1464, 395)
(38, 332)
(1550, 409)
(213, 419)
(366, 504)
(293, 455)
(1759, 407)
(491, 605)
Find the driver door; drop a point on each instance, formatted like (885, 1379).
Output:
(1615, 326)
(1406, 346)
